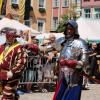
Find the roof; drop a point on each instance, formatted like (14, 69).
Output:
(5, 22)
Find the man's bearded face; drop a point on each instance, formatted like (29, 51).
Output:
(70, 31)
(10, 38)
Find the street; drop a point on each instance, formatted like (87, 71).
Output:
(92, 94)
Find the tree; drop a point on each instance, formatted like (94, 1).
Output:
(61, 27)
(69, 14)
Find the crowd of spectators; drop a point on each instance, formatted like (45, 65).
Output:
(94, 59)
(41, 65)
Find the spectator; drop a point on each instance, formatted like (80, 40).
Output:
(31, 66)
(93, 59)
(51, 49)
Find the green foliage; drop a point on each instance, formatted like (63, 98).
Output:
(65, 18)
(61, 27)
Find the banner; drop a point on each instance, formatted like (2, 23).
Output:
(0, 5)
(21, 10)
(3, 9)
(27, 9)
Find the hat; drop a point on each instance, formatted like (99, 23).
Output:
(73, 23)
(9, 31)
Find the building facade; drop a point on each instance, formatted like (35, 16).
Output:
(45, 15)
(40, 13)
(91, 9)
(61, 8)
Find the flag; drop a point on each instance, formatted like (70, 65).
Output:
(27, 9)
(0, 5)
(21, 10)
(3, 9)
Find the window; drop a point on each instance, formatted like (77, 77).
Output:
(96, 0)
(78, 1)
(65, 3)
(14, 4)
(41, 3)
(28, 22)
(87, 13)
(97, 13)
(14, 1)
(42, 6)
(41, 25)
(55, 23)
(55, 3)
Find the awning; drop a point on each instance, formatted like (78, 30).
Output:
(89, 29)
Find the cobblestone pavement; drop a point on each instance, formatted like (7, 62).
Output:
(92, 94)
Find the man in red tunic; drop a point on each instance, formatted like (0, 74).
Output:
(12, 61)
(1, 48)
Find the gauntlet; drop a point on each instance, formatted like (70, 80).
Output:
(68, 63)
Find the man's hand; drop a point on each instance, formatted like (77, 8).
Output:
(5, 75)
(62, 62)
(51, 55)
(69, 63)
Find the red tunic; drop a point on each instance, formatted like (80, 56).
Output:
(14, 62)
(1, 48)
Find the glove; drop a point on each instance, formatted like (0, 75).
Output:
(62, 62)
(71, 63)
